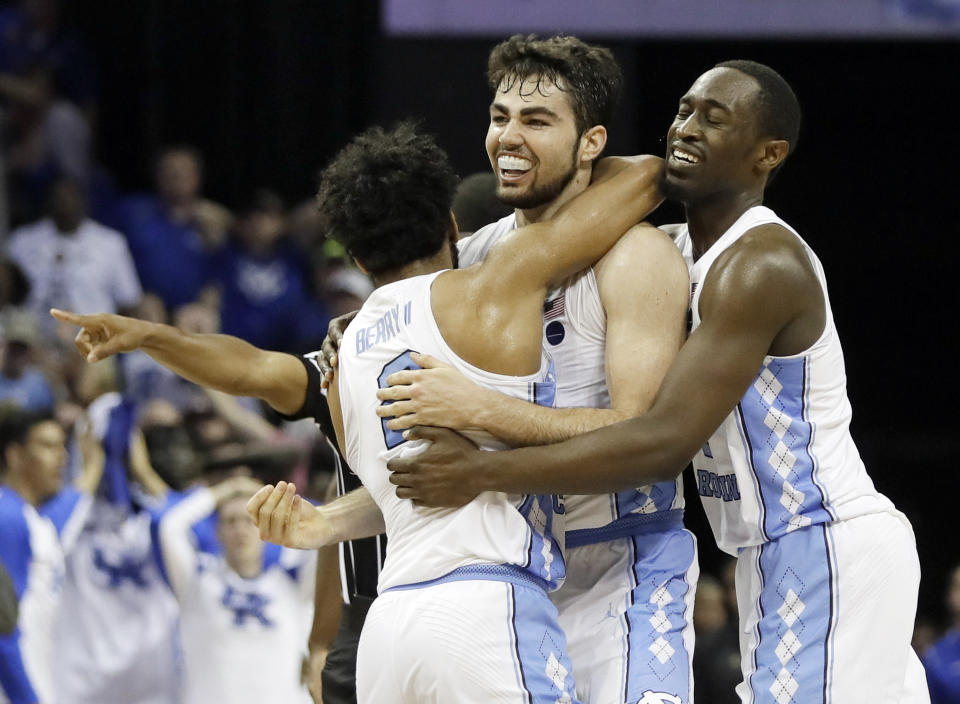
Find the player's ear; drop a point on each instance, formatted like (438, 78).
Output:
(12, 455)
(592, 143)
(772, 154)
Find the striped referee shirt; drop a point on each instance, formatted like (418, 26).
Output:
(360, 560)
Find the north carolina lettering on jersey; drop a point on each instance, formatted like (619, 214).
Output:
(385, 328)
(720, 486)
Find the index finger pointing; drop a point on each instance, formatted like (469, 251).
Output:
(67, 316)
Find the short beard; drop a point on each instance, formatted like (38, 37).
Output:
(538, 195)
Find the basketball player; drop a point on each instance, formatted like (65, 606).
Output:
(463, 613)
(612, 330)
(757, 395)
(40, 520)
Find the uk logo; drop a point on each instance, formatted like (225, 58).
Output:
(246, 605)
(125, 570)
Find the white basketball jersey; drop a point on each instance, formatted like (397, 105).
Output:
(33, 548)
(243, 639)
(784, 458)
(425, 544)
(574, 334)
(116, 634)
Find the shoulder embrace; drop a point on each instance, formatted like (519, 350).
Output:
(767, 259)
(769, 248)
(647, 249)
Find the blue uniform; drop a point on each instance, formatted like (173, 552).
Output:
(32, 545)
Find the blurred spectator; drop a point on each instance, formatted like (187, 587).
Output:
(39, 523)
(20, 380)
(117, 637)
(476, 204)
(306, 226)
(31, 33)
(925, 634)
(265, 282)
(173, 233)
(710, 608)
(145, 380)
(942, 660)
(14, 286)
(46, 137)
(169, 447)
(72, 262)
(244, 619)
(345, 289)
(716, 660)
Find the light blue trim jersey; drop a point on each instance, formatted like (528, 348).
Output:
(32, 547)
(784, 458)
(574, 335)
(525, 531)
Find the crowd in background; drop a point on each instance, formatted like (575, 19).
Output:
(73, 238)
(163, 591)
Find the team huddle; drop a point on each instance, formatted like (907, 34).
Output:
(520, 404)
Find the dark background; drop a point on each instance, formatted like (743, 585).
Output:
(269, 91)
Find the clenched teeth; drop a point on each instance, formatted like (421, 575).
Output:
(513, 163)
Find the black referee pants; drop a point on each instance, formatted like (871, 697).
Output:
(339, 674)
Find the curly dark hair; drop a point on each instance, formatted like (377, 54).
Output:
(588, 73)
(386, 197)
(778, 109)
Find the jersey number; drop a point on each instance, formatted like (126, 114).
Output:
(402, 362)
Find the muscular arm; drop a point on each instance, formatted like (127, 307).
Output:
(504, 293)
(220, 362)
(643, 285)
(623, 192)
(750, 298)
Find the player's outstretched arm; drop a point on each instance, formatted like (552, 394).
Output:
(219, 362)
(643, 286)
(283, 517)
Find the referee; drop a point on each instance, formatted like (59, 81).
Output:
(340, 605)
